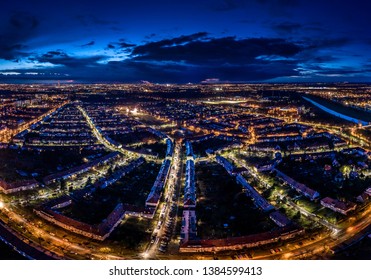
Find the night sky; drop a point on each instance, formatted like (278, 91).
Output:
(185, 41)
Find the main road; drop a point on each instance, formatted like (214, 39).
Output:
(171, 200)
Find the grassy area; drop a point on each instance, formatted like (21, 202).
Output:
(134, 187)
(154, 148)
(90, 210)
(254, 160)
(312, 174)
(136, 137)
(222, 209)
(297, 217)
(200, 148)
(21, 165)
(329, 215)
(132, 234)
(150, 120)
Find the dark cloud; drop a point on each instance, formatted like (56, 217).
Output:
(14, 34)
(185, 58)
(123, 45)
(52, 54)
(228, 50)
(148, 47)
(322, 58)
(150, 36)
(23, 21)
(91, 43)
(88, 20)
(60, 58)
(339, 71)
(325, 43)
(196, 57)
(165, 72)
(279, 8)
(281, 3)
(226, 5)
(287, 27)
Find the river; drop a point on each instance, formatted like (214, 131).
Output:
(332, 112)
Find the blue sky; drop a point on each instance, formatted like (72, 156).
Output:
(185, 41)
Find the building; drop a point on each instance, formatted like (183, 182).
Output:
(229, 167)
(98, 232)
(169, 148)
(189, 226)
(301, 188)
(189, 150)
(338, 206)
(80, 169)
(8, 188)
(155, 194)
(242, 242)
(190, 186)
(120, 173)
(279, 219)
(259, 201)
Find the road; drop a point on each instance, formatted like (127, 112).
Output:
(167, 221)
(104, 141)
(14, 240)
(51, 244)
(96, 133)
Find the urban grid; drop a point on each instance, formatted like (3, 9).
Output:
(185, 171)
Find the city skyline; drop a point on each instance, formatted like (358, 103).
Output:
(174, 42)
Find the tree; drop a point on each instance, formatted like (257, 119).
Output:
(110, 171)
(331, 145)
(63, 185)
(297, 216)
